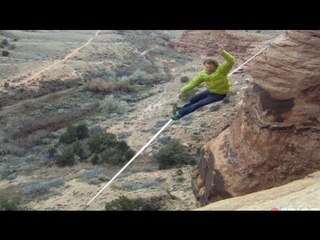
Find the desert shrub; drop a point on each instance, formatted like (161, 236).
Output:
(52, 151)
(112, 105)
(124, 86)
(123, 147)
(174, 154)
(95, 160)
(82, 131)
(77, 149)
(125, 204)
(69, 136)
(101, 141)
(28, 126)
(99, 73)
(99, 85)
(9, 148)
(66, 157)
(5, 53)
(32, 139)
(109, 149)
(118, 154)
(8, 204)
(113, 156)
(36, 188)
(140, 77)
(3, 43)
(74, 133)
(184, 79)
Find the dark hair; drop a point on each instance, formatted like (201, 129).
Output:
(210, 61)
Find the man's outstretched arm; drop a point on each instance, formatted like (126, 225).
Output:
(226, 66)
(195, 82)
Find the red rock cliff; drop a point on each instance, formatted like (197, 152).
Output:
(206, 42)
(276, 135)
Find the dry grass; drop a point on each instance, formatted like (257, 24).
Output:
(50, 123)
(124, 86)
(99, 85)
(29, 132)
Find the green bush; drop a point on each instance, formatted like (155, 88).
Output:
(174, 154)
(74, 133)
(140, 77)
(5, 53)
(77, 149)
(123, 147)
(69, 136)
(113, 156)
(101, 141)
(66, 157)
(117, 154)
(125, 204)
(3, 43)
(8, 204)
(113, 105)
(82, 131)
(109, 150)
(95, 159)
(52, 151)
(124, 86)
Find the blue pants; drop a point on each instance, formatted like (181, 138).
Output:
(199, 101)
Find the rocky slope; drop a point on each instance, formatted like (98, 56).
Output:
(275, 137)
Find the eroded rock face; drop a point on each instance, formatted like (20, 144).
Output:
(276, 136)
(206, 42)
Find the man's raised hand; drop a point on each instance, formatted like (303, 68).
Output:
(221, 48)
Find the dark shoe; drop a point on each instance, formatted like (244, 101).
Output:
(176, 116)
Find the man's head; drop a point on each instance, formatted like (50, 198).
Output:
(210, 65)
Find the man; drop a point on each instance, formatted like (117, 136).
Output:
(217, 83)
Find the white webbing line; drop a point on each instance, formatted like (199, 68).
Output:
(269, 44)
(137, 154)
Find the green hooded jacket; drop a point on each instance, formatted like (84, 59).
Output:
(216, 82)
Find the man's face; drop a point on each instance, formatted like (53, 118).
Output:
(209, 67)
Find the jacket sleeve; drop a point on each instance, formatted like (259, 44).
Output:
(226, 66)
(195, 82)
